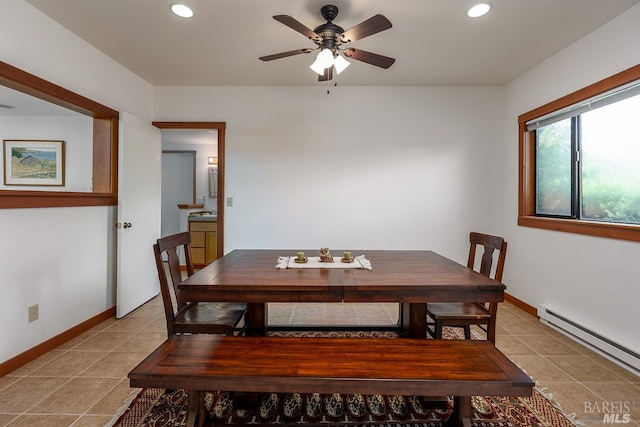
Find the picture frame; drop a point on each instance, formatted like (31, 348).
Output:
(33, 162)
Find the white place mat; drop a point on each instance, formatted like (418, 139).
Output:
(314, 262)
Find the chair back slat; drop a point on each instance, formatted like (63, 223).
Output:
(490, 245)
(170, 245)
(164, 290)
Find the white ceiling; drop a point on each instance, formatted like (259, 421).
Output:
(15, 103)
(433, 41)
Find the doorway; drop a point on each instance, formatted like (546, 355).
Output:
(220, 128)
(178, 187)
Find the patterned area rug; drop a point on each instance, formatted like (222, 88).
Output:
(156, 407)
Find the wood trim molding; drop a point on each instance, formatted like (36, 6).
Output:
(627, 76)
(30, 84)
(598, 229)
(48, 199)
(521, 305)
(527, 165)
(54, 342)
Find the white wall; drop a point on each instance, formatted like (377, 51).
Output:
(75, 131)
(595, 281)
(362, 167)
(60, 258)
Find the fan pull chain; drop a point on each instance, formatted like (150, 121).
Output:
(335, 84)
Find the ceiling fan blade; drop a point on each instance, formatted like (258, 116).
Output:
(297, 25)
(369, 57)
(371, 26)
(285, 54)
(328, 75)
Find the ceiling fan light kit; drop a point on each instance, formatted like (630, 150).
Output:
(329, 39)
(323, 60)
(340, 64)
(326, 59)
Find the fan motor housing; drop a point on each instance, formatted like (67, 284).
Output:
(329, 33)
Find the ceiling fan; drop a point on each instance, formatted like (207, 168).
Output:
(329, 39)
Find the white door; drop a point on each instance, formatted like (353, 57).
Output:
(139, 195)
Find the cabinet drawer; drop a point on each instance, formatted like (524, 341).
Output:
(203, 226)
(197, 239)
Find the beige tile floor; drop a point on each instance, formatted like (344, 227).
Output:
(83, 382)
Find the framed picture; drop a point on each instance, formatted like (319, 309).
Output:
(33, 162)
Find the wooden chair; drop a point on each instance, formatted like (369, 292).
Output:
(191, 317)
(467, 314)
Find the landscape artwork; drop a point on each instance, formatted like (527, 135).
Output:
(33, 162)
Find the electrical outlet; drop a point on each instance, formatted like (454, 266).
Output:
(33, 313)
(229, 202)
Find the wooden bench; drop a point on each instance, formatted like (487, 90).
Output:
(459, 368)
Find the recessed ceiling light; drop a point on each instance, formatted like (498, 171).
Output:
(181, 10)
(478, 10)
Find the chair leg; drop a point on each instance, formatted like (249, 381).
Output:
(491, 332)
(467, 332)
(438, 330)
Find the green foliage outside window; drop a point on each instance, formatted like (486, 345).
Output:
(553, 166)
(607, 186)
(611, 162)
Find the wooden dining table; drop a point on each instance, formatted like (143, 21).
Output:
(411, 278)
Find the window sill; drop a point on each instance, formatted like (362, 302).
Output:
(10, 199)
(598, 229)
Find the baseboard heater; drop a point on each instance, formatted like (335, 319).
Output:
(608, 348)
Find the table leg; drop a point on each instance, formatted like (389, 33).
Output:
(197, 413)
(416, 320)
(461, 412)
(404, 319)
(257, 319)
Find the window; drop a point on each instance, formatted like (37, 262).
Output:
(580, 161)
(554, 165)
(104, 141)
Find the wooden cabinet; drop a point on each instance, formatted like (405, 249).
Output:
(211, 245)
(204, 242)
